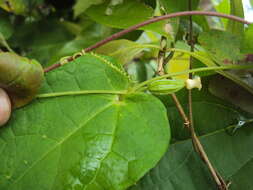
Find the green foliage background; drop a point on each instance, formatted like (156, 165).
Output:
(133, 141)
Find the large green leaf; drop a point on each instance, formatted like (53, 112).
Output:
(181, 168)
(124, 15)
(92, 142)
(229, 152)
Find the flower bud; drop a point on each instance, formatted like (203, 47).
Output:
(166, 86)
(193, 83)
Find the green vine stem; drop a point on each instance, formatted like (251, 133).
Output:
(141, 85)
(152, 20)
(81, 92)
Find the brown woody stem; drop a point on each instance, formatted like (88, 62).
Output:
(195, 140)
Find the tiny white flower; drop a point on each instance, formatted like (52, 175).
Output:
(193, 83)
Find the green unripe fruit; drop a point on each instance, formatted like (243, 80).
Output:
(166, 86)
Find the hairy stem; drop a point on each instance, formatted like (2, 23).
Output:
(152, 20)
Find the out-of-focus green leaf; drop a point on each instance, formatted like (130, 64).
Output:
(208, 60)
(88, 36)
(89, 141)
(247, 42)
(6, 31)
(126, 14)
(222, 46)
(184, 27)
(4, 43)
(124, 50)
(223, 7)
(36, 42)
(137, 71)
(5, 27)
(251, 2)
(121, 16)
(177, 6)
(142, 70)
(240, 178)
(179, 62)
(236, 9)
(81, 5)
(229, 91)
(74, 28)
(15, 6)
(19, 7)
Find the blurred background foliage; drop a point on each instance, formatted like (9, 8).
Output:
(48, 30)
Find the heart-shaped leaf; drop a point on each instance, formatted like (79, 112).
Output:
(91, 141)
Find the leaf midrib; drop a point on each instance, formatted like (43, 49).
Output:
(62, 141)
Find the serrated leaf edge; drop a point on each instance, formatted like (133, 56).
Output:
(111, 65)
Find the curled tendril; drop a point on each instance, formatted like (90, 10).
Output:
(65, 60)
